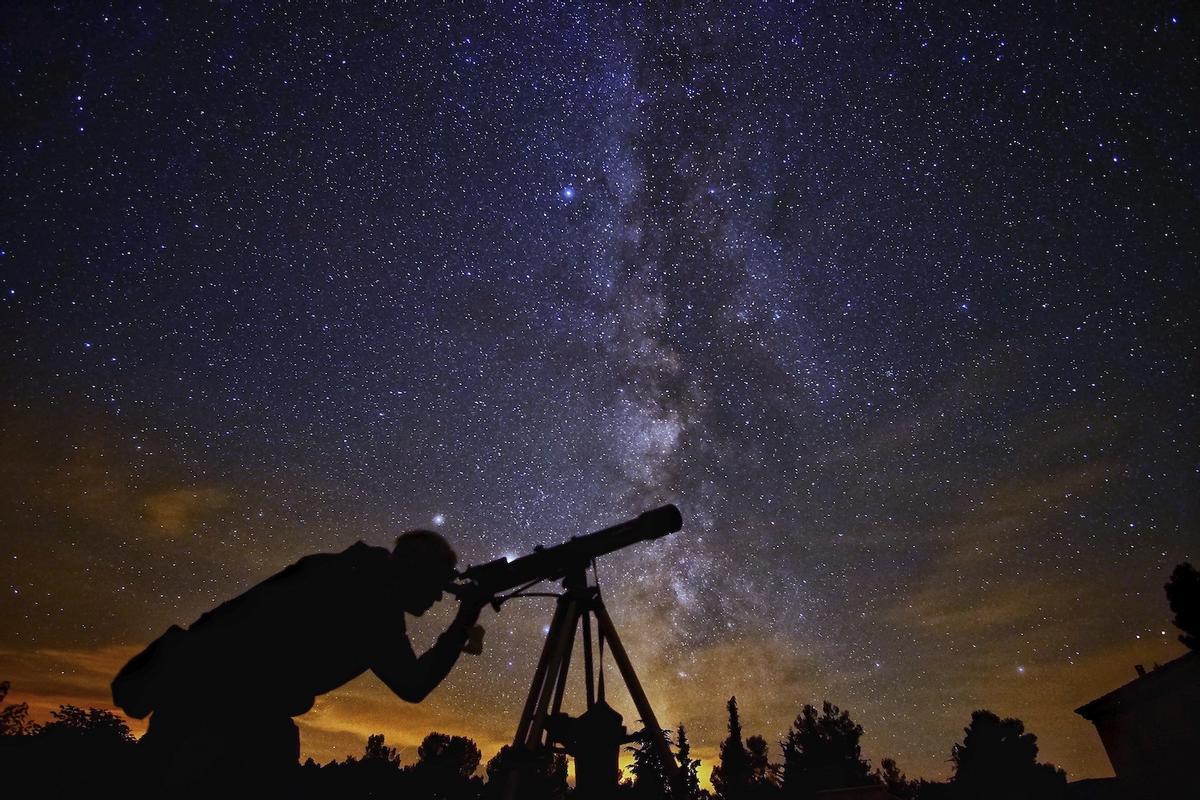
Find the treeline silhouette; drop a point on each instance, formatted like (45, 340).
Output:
(91, 752)
(821, 752)
(87, 753)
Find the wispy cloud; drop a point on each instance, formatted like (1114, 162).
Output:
(175, 512)
(48, 678)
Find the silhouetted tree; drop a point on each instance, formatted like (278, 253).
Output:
(79, 753)
(16, 745)
(377, 750)
(14, 719)
(311, 778)
(997, 760)
(544, 774)
(94, 723)
(451, 755)
(889, 775)
(650, 781)
(1183, 593)
(377, 774)
(764, 776)
(731, 776)
(446, 768)
(687, 782)
(822, 751)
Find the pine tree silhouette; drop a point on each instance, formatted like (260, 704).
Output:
(650, 781)
(687, 782)
(731, 777)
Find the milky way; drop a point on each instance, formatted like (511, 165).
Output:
(897, 303)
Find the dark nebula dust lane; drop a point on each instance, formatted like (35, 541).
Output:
(895, 301)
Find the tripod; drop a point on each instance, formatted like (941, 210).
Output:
(595, 737)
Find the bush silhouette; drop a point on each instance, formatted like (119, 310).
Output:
(81, 752)
(997, 760)
(544, 774)
(446, 769)
(1183, 593)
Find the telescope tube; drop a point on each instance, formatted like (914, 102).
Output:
(553, 563)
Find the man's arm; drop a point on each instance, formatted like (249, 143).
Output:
(411, 677)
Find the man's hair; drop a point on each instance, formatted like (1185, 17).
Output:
(423, 545)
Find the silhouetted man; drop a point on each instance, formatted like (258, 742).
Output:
(224, 691)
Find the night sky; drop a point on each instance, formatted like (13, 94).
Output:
(897, 303)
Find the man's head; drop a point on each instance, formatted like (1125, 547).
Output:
(426, 563)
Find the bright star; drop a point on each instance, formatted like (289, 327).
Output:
(568, 193)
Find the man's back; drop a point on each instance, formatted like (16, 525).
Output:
(300, 633)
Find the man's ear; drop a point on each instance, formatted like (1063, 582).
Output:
(404, 572)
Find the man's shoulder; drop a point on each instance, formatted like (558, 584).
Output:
(361, 554)
(369, 579)
(364, 567)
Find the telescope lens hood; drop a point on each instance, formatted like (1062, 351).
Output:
(665, 518)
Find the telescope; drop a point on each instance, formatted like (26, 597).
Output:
(559, 561)
(595, 737)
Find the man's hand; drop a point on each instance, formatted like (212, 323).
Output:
(470, 603)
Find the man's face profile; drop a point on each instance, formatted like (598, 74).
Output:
(425, 564)
(424, 586)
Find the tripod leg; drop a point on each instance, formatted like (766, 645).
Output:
(559, 637)
(539, 675)
(589, 670)
(605, 628)
(561, 684)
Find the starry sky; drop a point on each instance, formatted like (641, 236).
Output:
(896, 301)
